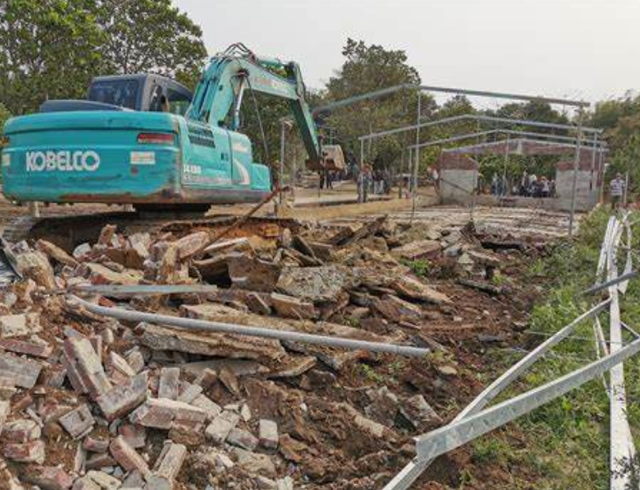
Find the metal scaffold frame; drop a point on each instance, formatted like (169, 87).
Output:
(577, 104)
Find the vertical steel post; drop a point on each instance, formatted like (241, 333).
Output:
(576, 163)
(416, 164)
(359, 181)
(405, 150)
(601, 174)
(506, 162)
(281, 169)
(294, 170)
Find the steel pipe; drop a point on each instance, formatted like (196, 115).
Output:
(219, 327)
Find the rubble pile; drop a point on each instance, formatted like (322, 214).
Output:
(90, 403)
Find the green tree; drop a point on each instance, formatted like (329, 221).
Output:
(4, 116)
(151, 36)
(51, 49)
(48, 49)
(368, 68)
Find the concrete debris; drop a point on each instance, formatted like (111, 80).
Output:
(19, 325)
(90, 403)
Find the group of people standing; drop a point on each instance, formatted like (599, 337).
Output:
(530, 185)
(372, 182)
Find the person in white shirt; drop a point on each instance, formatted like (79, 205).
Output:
(617, 191)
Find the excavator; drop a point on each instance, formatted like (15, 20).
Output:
(128, 144)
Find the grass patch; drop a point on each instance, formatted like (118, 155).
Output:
(566, 442)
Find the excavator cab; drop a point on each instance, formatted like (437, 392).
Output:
(141, 92)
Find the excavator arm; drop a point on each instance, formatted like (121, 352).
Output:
(220, 92)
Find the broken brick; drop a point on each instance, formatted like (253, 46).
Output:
(56, 253)
(290, 307)
(162, 413)
(80, 354)
(94, 445)
(167, 466)
(19, 325)
(27, 452)
(242, 438)
(23, 372)
(124, 398)
(37, 349)
(127, 457)
(135, 435)
(47, 478)
(268, 434)
(78, 422)
(169, 386)
(21, 431)
(218, 430)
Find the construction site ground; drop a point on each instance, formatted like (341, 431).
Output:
(257, 413)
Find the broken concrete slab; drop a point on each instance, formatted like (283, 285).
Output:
(36, 266)
(291, 307)
(268, 434)
(191, 244)
(19, 325)
(56, 253)
(253, 273)
(418, 412)
(420, 250)
(410, 287)
(315, 284)
(209, 344)
(396, 309)
(23, 372)
(99, 274)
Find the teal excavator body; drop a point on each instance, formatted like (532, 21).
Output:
(100, 152)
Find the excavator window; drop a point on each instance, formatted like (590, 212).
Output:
(123, 93)
(178, 102)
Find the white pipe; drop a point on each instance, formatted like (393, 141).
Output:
(191, 324)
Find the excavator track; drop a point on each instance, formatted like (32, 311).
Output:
(70, 231)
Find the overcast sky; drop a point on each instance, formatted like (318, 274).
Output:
(577, 48)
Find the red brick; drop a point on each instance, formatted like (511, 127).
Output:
(21, 431)
(5, 408)
(167, 466)
(135, 435)
(169, 386)
(81, 354)
(24, 372)
(28, 452)
(94, 445)
(78, 422)
(127, 457)
(161, 413)
(48, 478)
(43, 350)
(98, 461)
(122, 399)
(191, 244)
